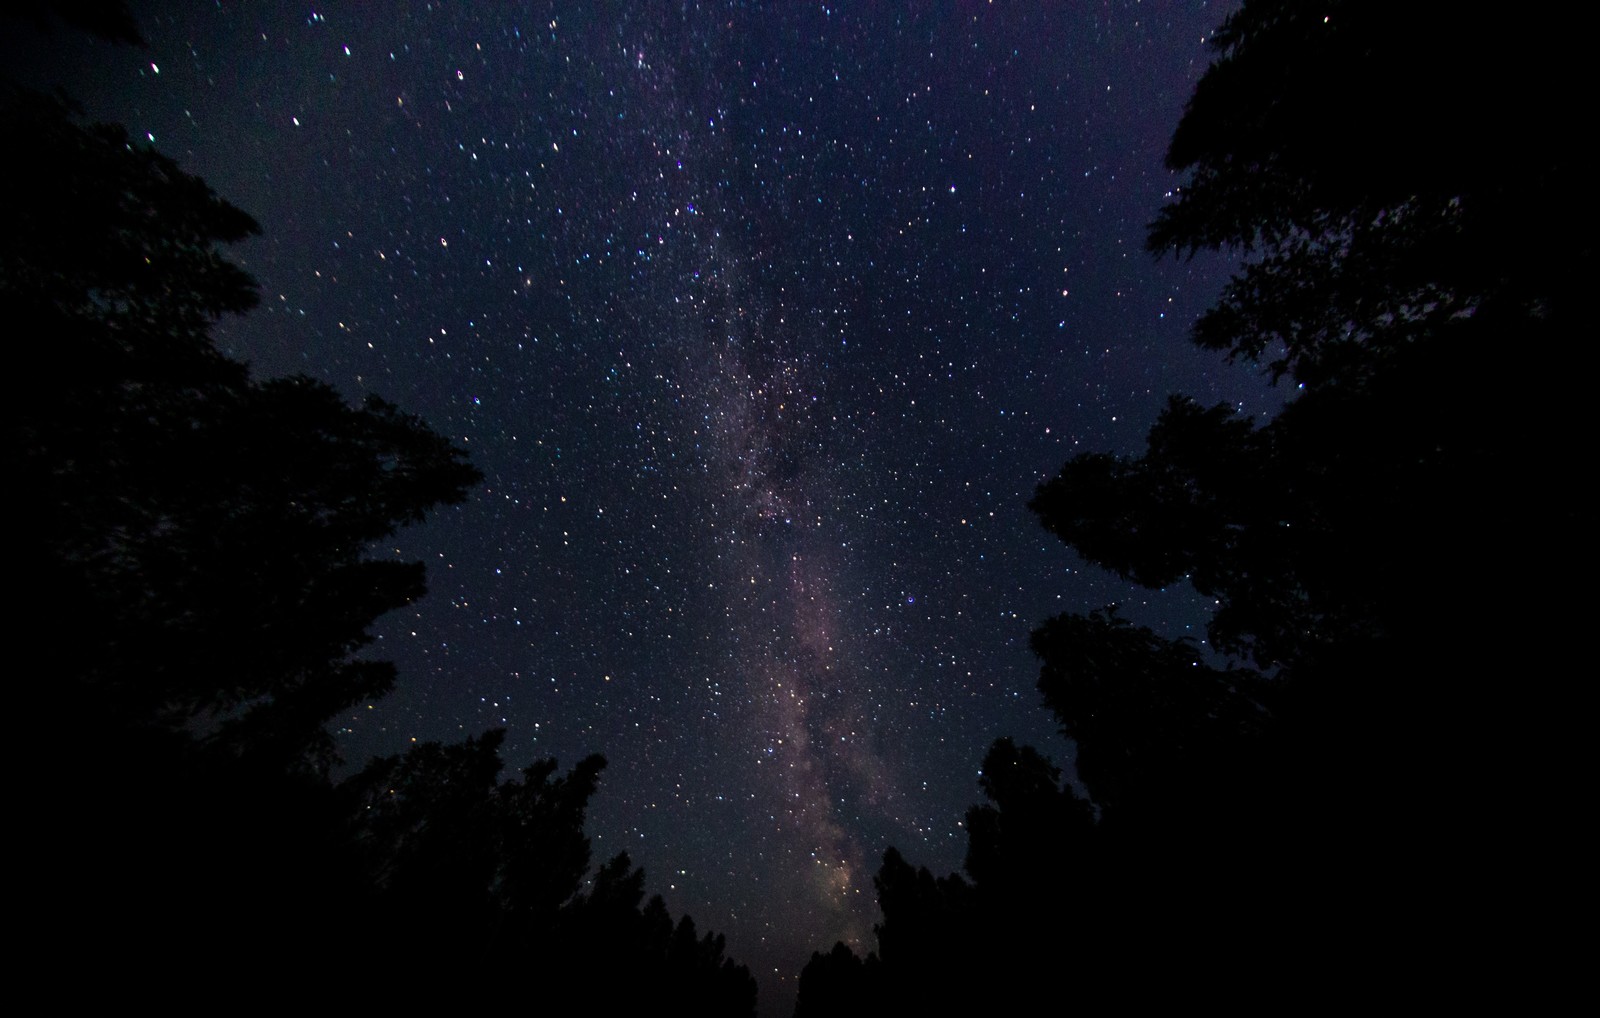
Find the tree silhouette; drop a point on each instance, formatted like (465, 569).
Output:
(1387, 554)
(1383, 182)
(198, 574)
(1408, 227)
(495, 871)
(1017, 840)
(951, 943)
(840, 983)
(214, 527)
(1396, 261)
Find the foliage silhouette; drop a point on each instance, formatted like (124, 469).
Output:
(499, 866)
(1385, 180)
(1397, 261)
(840, 984)
(1386, 556)
(948, 943)
(199, 570)
(215, 527)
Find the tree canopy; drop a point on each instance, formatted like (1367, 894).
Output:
(952, 943)
(1381, 549)
(199, 565)
(1301, 800)
(216, 527)
(1388, 168)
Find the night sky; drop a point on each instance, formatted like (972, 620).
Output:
(762, 323)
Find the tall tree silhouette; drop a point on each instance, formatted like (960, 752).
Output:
(1301, 805)
(198, 574)
(1030, 899)
(1408, 228)
(215, 528)
(1389, 168)
(196, 557)
(494, 872)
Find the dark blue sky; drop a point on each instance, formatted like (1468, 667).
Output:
(762, 322)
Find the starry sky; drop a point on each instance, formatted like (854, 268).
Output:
(762, 322)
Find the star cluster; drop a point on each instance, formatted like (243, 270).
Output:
(762, 321)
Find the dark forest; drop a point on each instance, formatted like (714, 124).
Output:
(1354, 788)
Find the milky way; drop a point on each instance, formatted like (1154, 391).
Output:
(762, 322)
